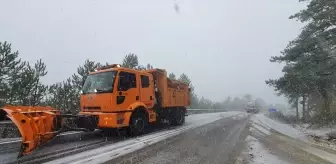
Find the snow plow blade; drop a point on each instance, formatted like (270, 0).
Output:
(36, 124)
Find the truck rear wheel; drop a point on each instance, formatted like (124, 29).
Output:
(138, 124)
(178, 117)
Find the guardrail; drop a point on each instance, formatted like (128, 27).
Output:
(199, 111)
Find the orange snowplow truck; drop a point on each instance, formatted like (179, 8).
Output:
(112, 97)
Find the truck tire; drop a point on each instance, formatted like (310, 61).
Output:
(138, 124)
(178, 117)
(183, 117)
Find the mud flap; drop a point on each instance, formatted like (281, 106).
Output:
(37, 125)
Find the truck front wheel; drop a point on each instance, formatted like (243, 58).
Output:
(137, 124)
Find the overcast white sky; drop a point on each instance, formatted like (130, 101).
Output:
(224, 46)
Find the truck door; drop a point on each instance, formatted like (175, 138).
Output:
(127, 90)
(147, 90)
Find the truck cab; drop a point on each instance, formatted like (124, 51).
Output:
(112, 93)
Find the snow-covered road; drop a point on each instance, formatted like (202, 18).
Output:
(118, 149)
(226, 137)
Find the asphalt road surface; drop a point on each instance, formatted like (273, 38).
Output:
(242, 139)
(214, 138)
(69, 145)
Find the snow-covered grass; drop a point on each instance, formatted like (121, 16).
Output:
(323, 132)
(255, 152)
(279, 127)
(266, 125)
(260, 154)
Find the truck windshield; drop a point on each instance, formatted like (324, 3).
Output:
(99, 83)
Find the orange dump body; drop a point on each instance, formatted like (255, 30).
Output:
(174, 93)
(36, 124)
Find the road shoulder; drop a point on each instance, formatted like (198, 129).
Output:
(267, 143)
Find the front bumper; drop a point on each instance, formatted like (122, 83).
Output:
(109, 120)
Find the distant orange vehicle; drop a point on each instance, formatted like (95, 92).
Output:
(112, 97)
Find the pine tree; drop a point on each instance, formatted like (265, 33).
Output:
(140, 67)
(130, 61)
(11, 68)
(193, 97)
(149, 66)
(63, 96)
(29, 89)
(172, 76)
(83, 72)
(75, 85)
(310, 58)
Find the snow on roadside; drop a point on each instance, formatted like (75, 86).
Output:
(259, 154)
(279, 127)
(255, 152)
(265, 122)
(319, 132)
(298, 132)
(320, 136)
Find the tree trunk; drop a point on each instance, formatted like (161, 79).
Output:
(326, 105)
(309, 106)
(326, 101)
(34, 96)
(297, 108)
(304, 111)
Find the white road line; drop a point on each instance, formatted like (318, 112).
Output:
(8, 142)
